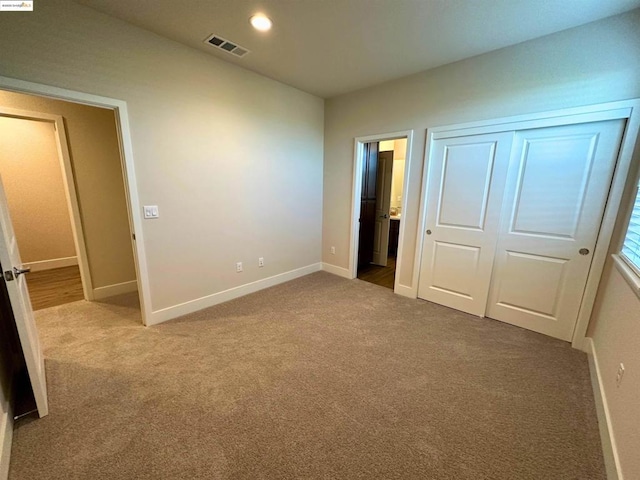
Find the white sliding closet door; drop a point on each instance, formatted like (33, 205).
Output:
(556, 191)
(465, 189)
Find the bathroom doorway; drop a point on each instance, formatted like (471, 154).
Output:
(381, 203)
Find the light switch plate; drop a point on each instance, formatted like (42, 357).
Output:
(151, 211)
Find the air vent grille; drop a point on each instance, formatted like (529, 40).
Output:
(223, 44)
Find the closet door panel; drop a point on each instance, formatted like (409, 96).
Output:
(464, 192)
(557, 187)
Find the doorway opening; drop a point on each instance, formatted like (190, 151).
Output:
(380, 198)
(65, 189)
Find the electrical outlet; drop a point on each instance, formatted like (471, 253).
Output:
(239, 267)
(333, 250)
(620, 374)
(261, 262)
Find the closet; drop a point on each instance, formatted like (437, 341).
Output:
(512, 219)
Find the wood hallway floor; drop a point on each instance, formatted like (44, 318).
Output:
(383, 276)
(49, 288)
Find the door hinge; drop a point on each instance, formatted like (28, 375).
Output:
(133, 235)
(8, 276)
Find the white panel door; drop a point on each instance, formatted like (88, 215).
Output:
(465, 187)
(557, 187)
(383, 204)
(21, 306)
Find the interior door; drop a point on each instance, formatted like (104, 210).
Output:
(21, 306)
(557, 188)
(368, 205)
(383, 204)
(465, 186)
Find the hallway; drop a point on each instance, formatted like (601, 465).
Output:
(50, 288)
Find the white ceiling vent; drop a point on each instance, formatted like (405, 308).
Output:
(225, 45)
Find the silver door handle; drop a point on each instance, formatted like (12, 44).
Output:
(583, 251)
(20, 271)
(428, 232)
(384, 216)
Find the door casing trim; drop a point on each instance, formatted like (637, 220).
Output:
(356, 190)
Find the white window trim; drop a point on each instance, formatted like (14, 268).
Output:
(627, 272)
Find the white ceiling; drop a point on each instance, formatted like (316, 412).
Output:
(330, 47)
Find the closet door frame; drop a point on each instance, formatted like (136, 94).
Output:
(627, 109)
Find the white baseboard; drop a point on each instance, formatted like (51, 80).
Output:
(116, 289)
(6, 436)
(51, 264)
(176, 311)
(405, 291)
(339, 271)
(609, 450)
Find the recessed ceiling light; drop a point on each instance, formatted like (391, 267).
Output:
(261, 22)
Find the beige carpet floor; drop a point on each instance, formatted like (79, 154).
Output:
(317, 378)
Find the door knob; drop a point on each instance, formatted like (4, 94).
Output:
(583, 251)
(384, 216)
(428, 232)
(20, 271)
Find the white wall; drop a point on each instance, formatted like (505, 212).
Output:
(399, 148)
(595, 63)
(397, 176)
(615, 331)
(397, 183)
(215, 146)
